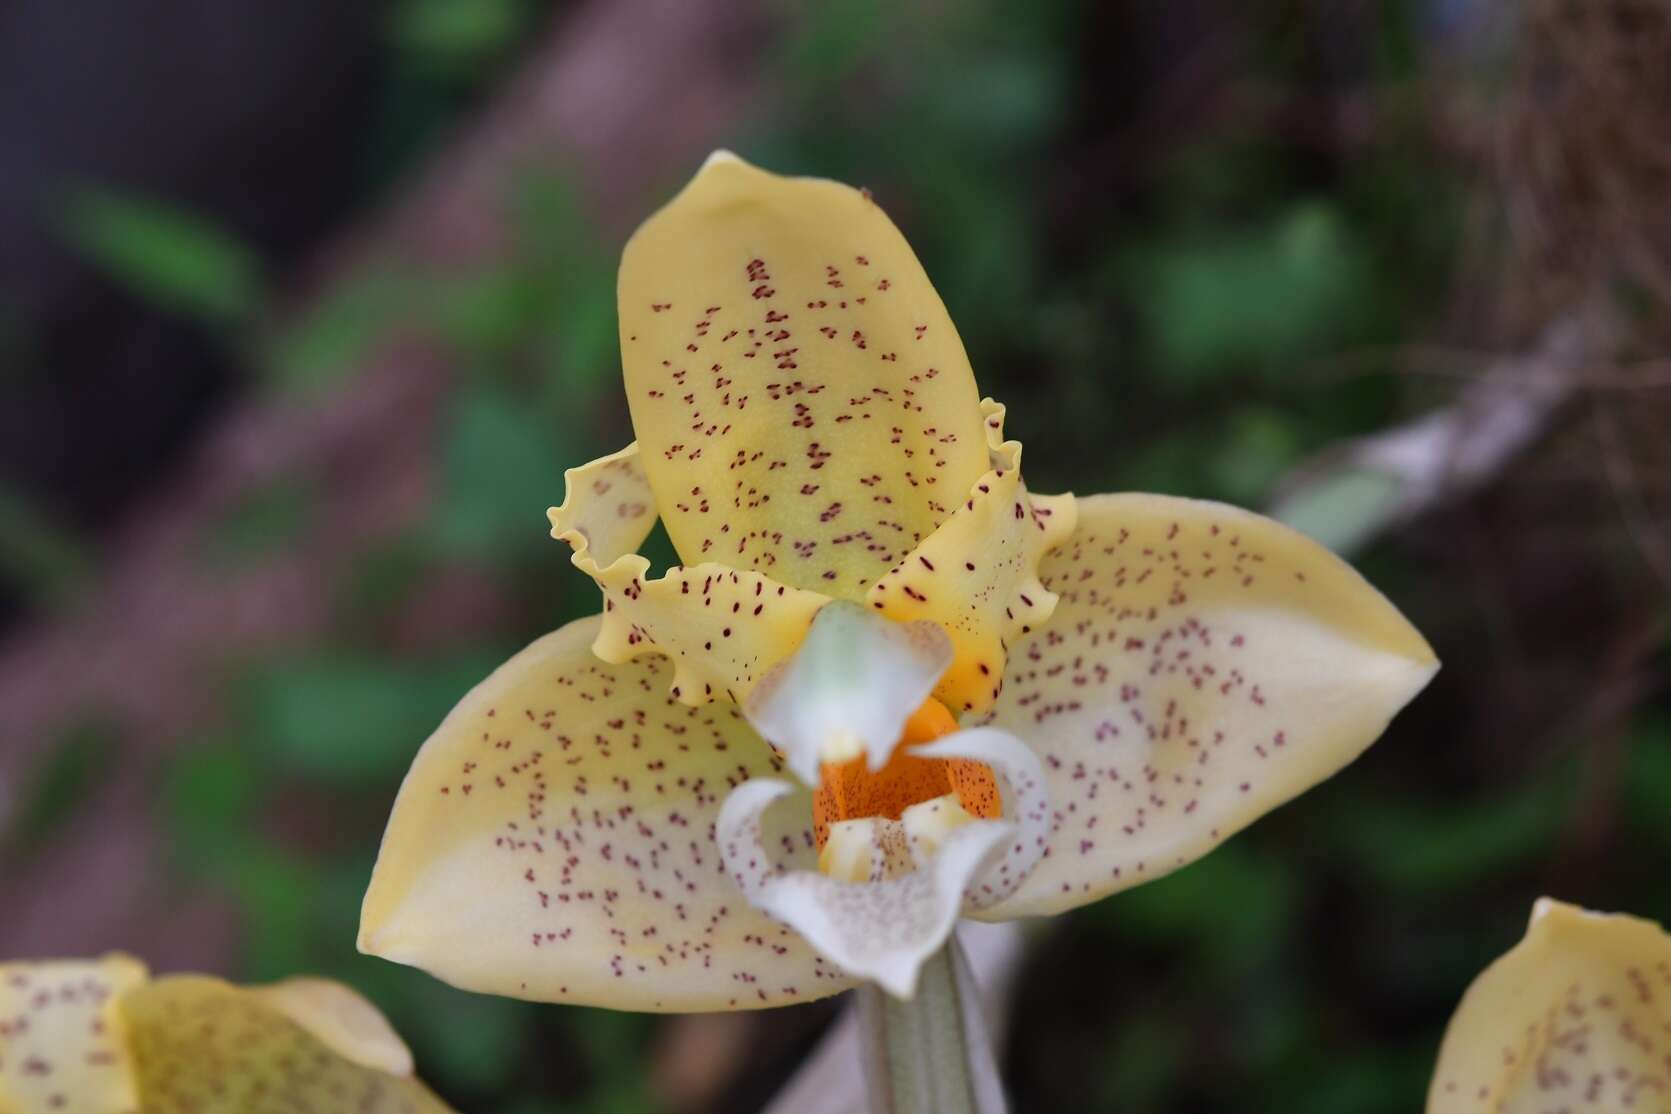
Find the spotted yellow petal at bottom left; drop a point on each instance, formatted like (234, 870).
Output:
(62, 1046)
(203, 1046)
(99, 1037)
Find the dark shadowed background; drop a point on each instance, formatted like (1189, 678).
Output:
(305, 307)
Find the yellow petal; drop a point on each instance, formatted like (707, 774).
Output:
(1203, 666)
(203, 1046)
(62, 1045)
(722, 628)
(554, 841)
(977, 574)
(348, 1024)
(1574, 1017)
(607, 510)
(804, 405)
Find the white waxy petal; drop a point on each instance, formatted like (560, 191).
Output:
(880, 931)
(1026, 805)
(848, 690)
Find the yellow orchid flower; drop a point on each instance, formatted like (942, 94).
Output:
(1575, 1016)
(1007, 704)
(102, 1037)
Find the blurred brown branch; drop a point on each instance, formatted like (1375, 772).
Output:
(1353, 492)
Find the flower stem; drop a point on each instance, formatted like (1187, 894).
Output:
(930, 1054)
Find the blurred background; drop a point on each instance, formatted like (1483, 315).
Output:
(305, 307)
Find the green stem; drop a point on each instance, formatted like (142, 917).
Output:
(930, 1054)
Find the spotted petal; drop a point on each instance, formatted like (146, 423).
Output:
(802, 401)
(607, 512)
(1574, 1017)
(340, 1019)
(62, 1042)
(1202, 666)
(721, 628)
(977, 574)
(554, 841)
(203, 1046)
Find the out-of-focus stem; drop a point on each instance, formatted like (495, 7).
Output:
(930, 1054)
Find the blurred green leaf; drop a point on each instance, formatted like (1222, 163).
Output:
(273, 889)
(1414, 846)
(489, 310)
(472, 1039)
(340, 329)
(1648, 788)
(1233, 902)
(1252, 302)
(990, 103)
(459, 35)
(1258, 447)
(62, 776)
(259, 521)
(1372, 1081)
(386, 574)
(1148, 1052)
(834, 38)
(209, 793)
(502, 467)
(348, 719)
(165, 253)
(42, 560)
(584, 347)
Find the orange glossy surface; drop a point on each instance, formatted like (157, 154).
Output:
(850, 791)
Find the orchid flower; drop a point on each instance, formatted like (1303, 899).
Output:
(988, 702)
(102, 1037)
(1575, 1016)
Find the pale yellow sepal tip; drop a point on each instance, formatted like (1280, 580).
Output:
(1561, 1020)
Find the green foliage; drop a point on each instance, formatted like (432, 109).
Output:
(459, 35)
(339, 332)
(1648, 784)
(165, 253)
(1423, 850)
(40, 559)
(833, 39)
(209, 793)
(1258, 447)
(64, 775)
(345, 719)
(261, 521)
(501, 467)
(1143, 1063)
(475, 1039)
(1231, 907)
(1254, 301)
(1373, 1081)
